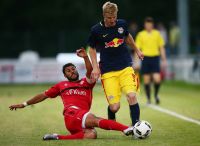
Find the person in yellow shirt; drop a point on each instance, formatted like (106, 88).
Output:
(151, 44)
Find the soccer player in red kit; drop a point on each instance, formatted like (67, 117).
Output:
(77, 98)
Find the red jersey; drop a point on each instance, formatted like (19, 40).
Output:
(73, 93)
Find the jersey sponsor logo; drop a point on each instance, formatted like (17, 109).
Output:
(75, 107)
(120, 30)
(75, 92)
(78, 118)
(81, 83)
(116, 42)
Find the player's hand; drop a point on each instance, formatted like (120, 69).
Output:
(95, 74)
(164, 64)
(140, 54)
(16, 106)
(81, 52)
(136, 67)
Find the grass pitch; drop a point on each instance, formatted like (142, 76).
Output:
(26, 127)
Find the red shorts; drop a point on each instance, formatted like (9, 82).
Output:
(75, 119)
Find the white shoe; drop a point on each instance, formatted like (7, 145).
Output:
(50, 136)
(128, 131)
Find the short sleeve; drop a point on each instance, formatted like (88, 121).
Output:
(92, 39)
(52, 92)
(161, 41)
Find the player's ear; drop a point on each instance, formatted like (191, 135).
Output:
(65, 76)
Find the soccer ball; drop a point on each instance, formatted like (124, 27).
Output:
(142, 129)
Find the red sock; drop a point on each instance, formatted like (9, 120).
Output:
(111, 125)
(78, 135)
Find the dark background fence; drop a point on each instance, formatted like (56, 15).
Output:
(50, 26)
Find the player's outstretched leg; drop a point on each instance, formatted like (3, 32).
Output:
(79, 135)
(86, 133)
(93, 121)
(50, 137)
(90, 122)
(112, 125)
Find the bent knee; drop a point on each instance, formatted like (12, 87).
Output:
(115, 108)
(92, 121)
(132, 99)
(90, 134)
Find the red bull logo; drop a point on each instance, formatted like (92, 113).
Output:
(116, 42)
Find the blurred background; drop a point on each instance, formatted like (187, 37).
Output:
(38, 37)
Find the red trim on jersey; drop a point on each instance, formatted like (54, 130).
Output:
(138, 82)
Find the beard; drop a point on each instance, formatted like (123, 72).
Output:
(73, 79)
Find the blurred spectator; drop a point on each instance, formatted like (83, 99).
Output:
(133, 29)
(196, 63)
(174, 37)
(198, 45)
(163, 31)
(161, 28)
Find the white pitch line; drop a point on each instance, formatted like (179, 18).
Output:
(174, 114)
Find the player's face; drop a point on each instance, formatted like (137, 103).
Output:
(148, 26)
(71, 73)
(110, 19)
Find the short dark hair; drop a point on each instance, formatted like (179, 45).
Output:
(149, 19)
(67, 65)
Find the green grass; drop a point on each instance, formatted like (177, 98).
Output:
(26, 127)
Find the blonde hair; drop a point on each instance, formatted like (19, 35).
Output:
(110, 8)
